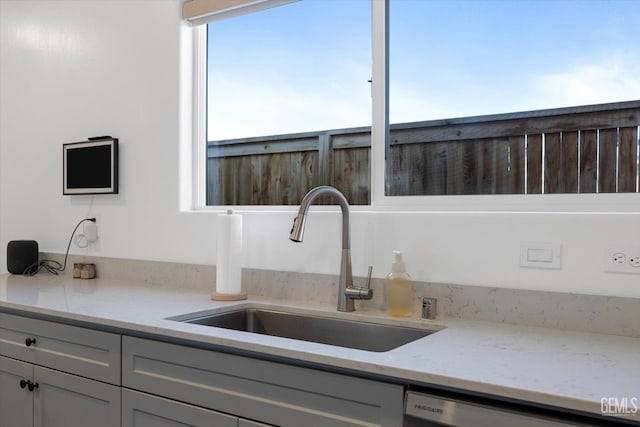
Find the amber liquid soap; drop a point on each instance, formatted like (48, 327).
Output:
(398, 289)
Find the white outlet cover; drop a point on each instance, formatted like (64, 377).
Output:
(91, 231)
(630, 255)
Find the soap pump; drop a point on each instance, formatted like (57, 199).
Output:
(398, 289)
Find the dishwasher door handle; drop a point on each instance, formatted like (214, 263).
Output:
(450, 412)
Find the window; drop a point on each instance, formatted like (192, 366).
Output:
(279, 82)
(484, 97)
(474, 59)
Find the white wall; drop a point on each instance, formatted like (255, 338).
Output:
(70, 70)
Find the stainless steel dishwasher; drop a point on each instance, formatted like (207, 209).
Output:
(424, 409)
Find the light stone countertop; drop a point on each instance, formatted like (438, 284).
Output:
(565, 369)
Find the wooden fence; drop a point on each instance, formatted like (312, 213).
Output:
(570, 150)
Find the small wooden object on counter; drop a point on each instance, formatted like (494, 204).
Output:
(88, 271)
(77, 270)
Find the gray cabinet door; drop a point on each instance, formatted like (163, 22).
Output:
(64, 400)
(145, 410)
(16, 403)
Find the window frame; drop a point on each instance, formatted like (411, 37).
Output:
(380, 202)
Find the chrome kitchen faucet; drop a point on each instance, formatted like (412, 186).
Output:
(346, 291)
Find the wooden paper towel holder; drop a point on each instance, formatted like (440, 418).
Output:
(216, 296)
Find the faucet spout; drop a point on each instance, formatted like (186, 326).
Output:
(297, 232)
(346, 291)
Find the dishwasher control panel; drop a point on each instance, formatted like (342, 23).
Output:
(444, 411)
(426, 407)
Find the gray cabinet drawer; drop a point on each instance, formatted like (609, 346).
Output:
(273, 393)
(144, 410)
(80, 351)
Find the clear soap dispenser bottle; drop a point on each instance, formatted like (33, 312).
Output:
(399, 292)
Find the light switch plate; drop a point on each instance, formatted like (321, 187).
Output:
(546, 255)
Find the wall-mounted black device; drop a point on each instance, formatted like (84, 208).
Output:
(21, 254)
(90, 167)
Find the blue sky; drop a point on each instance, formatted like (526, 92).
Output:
(305, 66)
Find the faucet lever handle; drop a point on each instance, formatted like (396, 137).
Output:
(361, 292)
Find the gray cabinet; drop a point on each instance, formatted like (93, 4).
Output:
(270, 392)
(35, 392)
(56, 375)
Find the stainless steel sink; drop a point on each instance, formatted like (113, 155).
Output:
(325, 330)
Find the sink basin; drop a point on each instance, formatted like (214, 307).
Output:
(339, 332)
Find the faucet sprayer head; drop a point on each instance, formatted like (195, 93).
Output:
(297, 231)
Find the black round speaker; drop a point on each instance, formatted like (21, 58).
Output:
(21, 254)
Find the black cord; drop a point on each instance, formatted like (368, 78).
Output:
(52, 266)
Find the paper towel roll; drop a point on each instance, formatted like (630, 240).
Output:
(229, 265)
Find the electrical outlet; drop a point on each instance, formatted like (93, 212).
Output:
(619, 259)
(87, 235)
(622, 260)
(91, 231)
